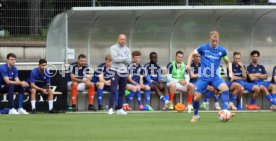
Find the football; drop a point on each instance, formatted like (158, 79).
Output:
(224, 115)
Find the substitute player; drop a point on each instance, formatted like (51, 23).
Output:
(211, 54)
(101, 79)
(40, 81)
(136, 84)
(154, 80)
(239, 78)
(273, 81)
(80, 80)
(178, 80)
(258, 75)
(10, 83)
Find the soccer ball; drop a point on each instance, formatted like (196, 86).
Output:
(224, 115)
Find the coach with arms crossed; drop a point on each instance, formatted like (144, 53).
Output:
(121, 58)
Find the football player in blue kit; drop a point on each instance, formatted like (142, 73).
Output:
(258, 75)
(40, 81)
(10, 83)
(101, 79)
(211, 55)
(240, 77)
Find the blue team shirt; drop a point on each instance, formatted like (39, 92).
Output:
(258, 69)
(195, 69)
(135, 72)
(78, 72)
(273, 74)
(153, 73)
(237, 71)
(101, 69)
(39, 79)
(210, 56)
(5, 71)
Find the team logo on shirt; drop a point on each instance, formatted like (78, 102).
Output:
(260, 69)
(220, 53)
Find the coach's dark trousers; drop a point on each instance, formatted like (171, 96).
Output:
(119, 79)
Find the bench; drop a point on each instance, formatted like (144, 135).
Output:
(55, 93)
(155, 101)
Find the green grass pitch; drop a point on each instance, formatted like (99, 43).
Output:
(254, 126)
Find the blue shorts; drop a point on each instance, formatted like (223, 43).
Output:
(262, 83)
(228, 83)
(247, 86)
(202, 84)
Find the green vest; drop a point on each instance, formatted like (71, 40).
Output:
(178, 73)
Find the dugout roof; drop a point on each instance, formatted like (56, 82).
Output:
(92, 30)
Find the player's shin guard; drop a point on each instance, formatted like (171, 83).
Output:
(208, 95)
(171, 96)
(20, 99)
(138, 96)
(163, 99)
(274, 96)
(270, 98)
(130, 97)
(233, 98)
(91, 95)
(216, 98)
(74, 92)
(147, 99)
(100, 97)
(224, 100)
(190, 98)
(10, 96)
(196, 105)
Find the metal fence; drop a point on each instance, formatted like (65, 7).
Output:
(32, 17)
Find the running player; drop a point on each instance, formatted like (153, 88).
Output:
(210, 90)
(211, 54)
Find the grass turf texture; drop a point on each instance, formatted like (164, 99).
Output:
(137, 127)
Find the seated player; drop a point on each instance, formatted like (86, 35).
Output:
(258, 75)
(136, 84)
(210, 91)
(80, 80)
(40, 81)
(273, 81)
(179, 81)
(10, 83)
(154, 80)
(101, 79)
(239, 83)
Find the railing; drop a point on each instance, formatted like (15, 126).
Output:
(32, 17)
